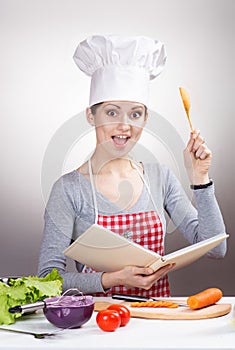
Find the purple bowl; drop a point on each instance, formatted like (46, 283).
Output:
(69, 311)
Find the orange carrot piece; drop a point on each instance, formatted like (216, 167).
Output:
(205, 298)
(155, 304)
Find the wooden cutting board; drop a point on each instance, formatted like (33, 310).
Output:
(180, 313)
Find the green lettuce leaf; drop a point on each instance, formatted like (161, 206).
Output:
(27, 290)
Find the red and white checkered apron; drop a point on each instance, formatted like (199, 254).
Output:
(144, 228)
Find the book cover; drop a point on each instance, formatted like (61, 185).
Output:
(104, 250)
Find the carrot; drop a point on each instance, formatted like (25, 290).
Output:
(149, 303)
(205, 298)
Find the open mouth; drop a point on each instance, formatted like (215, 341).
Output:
(120, 140)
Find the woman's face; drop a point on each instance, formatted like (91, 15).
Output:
(119, 125)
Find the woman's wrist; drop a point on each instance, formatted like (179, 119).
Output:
(109, 280)
(200, 180)
(201, 186)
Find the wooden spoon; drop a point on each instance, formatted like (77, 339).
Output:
(186, 102)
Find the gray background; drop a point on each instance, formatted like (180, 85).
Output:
(42, 89)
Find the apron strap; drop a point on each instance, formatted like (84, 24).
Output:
(93, 190)
(145, 183)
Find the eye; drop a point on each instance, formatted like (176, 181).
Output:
(112, 113)
(136, 115)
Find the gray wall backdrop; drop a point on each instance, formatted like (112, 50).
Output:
(42, 89)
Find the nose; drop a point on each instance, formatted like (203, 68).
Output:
(123, 123)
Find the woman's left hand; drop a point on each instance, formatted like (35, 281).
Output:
(197, 159)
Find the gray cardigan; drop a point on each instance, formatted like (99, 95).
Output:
(70, 211)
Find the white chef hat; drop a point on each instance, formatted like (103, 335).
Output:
(120, 67)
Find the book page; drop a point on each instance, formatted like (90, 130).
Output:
(188, 255)
(104, 250)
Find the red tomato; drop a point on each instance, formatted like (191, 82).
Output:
(123, 311)
(108, 320)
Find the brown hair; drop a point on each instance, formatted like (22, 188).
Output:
(94, 107)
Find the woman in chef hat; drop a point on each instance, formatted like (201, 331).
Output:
(110, 189)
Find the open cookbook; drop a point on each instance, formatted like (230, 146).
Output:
(104, 250)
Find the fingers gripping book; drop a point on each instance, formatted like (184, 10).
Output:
(104, 250)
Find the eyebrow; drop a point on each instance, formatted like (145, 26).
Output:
(113, 105)
(137, 107)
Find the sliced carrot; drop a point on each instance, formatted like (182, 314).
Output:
(161, 303)
(205, 298)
